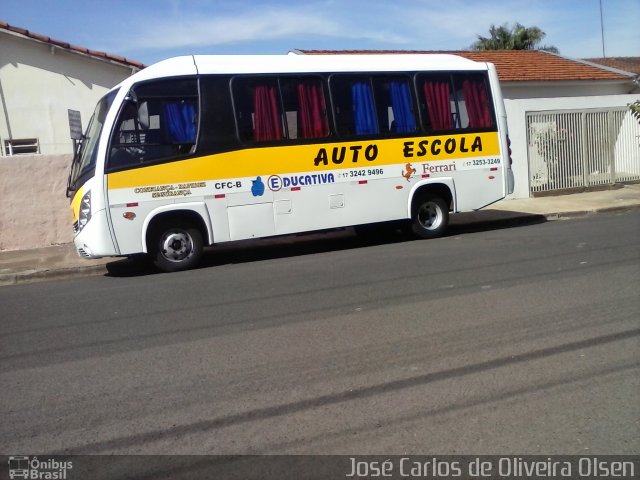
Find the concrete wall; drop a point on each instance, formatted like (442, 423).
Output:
(39, 83)
(34, 209)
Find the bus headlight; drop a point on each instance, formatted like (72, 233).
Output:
(85, 210)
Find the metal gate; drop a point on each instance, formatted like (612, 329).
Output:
(579, 149)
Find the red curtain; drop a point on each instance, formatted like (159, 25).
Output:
(438, 97)
(477, 103)
(312, 118)
(267, 120)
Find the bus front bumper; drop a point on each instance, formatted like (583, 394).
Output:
(94, 240)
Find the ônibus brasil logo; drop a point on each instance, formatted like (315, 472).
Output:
(32, 468)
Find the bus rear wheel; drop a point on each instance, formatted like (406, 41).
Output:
(177, 247)
(430, 217)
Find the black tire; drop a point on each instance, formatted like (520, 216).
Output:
(430, 217)
(176, 248)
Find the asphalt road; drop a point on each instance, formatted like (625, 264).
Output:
(519, 340)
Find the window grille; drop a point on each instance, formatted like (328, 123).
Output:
(21, 146)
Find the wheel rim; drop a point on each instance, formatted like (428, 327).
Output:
(176, 246)
(429, 216)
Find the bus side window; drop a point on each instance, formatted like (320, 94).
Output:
(128, 139)
(305, 107)
(455, 103)
(180, 124)
(218, 128)
(167, 131)
(437, 102)
(474, 108)
(396, 113)
(258, 110)
(354, 105)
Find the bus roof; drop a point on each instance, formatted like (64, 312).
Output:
(294, 63)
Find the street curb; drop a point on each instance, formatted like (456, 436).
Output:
(587, 213)
(517, 218)
(33, 276)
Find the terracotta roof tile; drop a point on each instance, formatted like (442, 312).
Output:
(515, 65)
(627, 64)
(73, 48)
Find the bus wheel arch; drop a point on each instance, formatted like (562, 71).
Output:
(429, 209)
(175, 239)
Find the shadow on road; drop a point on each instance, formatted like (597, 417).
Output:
(323, 400)
(326, 241)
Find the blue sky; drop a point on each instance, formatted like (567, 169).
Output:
(150, 30)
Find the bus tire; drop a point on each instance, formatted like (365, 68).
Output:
(430, 217)
(176, 248)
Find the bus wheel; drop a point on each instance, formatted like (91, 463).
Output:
(430, 217)
(177, 248)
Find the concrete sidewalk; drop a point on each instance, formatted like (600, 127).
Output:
(61, 261)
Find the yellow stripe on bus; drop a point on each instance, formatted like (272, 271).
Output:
(308, 158)
(75, 203)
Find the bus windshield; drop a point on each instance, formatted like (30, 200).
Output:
(84, 160)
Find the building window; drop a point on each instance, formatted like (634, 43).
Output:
(21, 146)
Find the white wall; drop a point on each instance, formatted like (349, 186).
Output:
(39, 83)
(526, 90)
(516, 119)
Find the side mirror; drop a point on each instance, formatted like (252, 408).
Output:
(143, 115)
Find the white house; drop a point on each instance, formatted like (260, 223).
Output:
(568, 119)
(41, 80)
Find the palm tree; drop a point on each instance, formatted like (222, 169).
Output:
(517, 38)
(635, 110)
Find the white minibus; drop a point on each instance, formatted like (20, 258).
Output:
(199, 150)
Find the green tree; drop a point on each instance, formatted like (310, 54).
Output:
(517, 37)
(635, 110)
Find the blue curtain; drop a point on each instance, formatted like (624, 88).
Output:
(403, 117)
(364, 114)
(181, 121)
